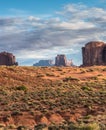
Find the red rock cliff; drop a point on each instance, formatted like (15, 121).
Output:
(7, 59)
(94, 53)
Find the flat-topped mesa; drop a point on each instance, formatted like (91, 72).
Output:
(94, 53)
(44, 63)
(7, 59)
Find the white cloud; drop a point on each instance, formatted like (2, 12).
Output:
(44, 37)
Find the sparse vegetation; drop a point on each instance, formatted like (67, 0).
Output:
(35, 95)
(24, 88)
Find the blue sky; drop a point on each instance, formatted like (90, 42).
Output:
(42, 6)
(41, 29)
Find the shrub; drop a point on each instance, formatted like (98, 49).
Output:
(40, 75)
(104, 69)
(70, 79)
(54, 127)
(50, 74)
(24, 88)
(40, 127)
(92, 126)
(12, 126)
(15, 113)
(94, 78)
(22, 128)
(86, 88)
(90, 70)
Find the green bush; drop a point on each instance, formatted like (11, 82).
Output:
(86, 88)
(24, 88)
(92, 126)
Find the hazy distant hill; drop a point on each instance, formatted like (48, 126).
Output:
(44, 63)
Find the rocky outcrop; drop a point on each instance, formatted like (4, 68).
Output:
(44, 63)
(94, 53)
(7, 59)
(60, 60)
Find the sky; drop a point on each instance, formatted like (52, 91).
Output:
(40, 29)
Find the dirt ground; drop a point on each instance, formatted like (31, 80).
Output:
(52, 95)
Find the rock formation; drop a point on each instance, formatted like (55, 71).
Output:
(60, 60)
(44, 63)
(94, 53)
(7, 59)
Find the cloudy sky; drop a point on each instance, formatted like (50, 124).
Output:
(41, 29)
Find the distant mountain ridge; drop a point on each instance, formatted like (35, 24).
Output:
(44, 63)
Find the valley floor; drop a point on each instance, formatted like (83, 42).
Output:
(53, 98)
